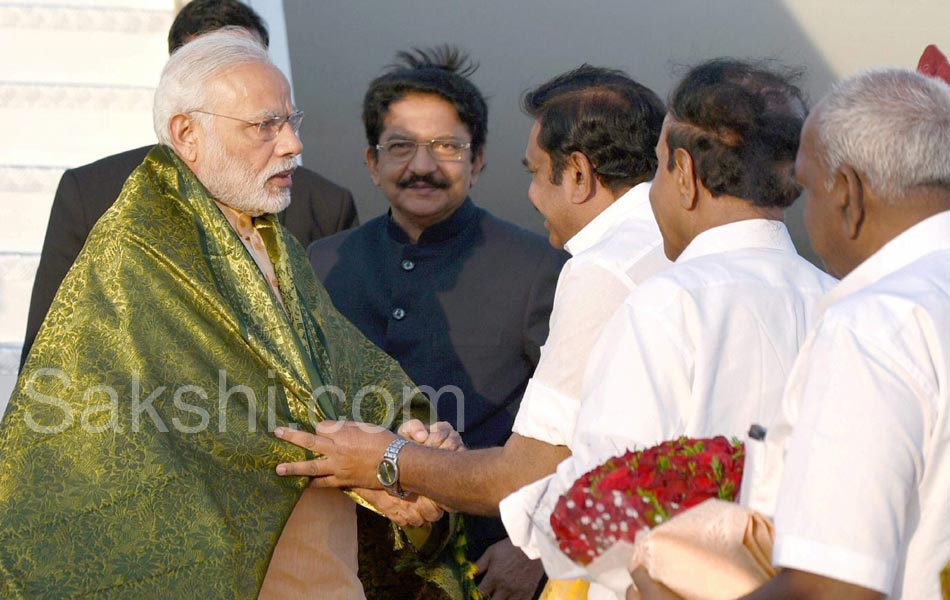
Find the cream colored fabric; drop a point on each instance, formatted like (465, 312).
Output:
(316, 554)
(243, 225)
(715, 551)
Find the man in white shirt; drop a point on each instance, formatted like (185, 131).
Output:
(864, 504)
(590, 155)
(595, 200)
(705, 346)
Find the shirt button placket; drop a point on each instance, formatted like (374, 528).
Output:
(399, 312)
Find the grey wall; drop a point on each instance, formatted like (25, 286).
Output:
(338, 46)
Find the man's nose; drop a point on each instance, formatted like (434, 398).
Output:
(288, 142)
(422, 161)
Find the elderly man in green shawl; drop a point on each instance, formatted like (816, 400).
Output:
(136, 454)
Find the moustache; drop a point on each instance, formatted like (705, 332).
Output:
(285, 165)
(426, 179)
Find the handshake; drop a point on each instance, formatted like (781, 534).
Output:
(372, 461)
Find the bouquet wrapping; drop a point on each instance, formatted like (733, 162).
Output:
(670, 509)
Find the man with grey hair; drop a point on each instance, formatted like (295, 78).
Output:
(862, 509)
(319, 207)
(136, 457)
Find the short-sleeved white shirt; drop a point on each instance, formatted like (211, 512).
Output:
(865, 493)
(702, 348)
(611, 255)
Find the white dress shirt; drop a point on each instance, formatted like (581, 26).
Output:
(865, 496)
(702, 348)
(611, 255)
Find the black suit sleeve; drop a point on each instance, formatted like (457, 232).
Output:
(65, 235)
(333, 210)
(319, 208)
(348, 216)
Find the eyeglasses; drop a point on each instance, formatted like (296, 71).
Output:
(444, 149)
(267, 129)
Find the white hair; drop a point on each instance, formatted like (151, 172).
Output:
(184, 82)
(892, 126)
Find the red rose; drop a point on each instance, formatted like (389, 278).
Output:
(641, 489)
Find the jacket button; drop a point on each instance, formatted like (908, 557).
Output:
(398, 314)
(408, 265)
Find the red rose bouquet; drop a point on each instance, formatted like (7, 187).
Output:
(642, 489)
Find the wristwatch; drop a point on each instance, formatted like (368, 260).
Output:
(388, 470)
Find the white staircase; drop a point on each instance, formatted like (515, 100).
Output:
(76, 84)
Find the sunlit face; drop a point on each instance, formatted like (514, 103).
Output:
(552, 200)
(821, 220)
(238, 168)
(421, 190)
(664, 197)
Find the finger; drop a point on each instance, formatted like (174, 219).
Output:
(443, 427)
(453, 442)
(306, 468)
(415, 430)
(435, 439)
(329, 481)
(503, 593)
(414, 519)
(642, 579)
(429, 510)
(488, 586)
(483, 561)
(443, 435)
(650, 589)
(304, 439)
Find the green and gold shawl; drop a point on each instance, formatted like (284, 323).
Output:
(135, 454)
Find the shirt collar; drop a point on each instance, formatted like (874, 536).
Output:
(750, 233)
(929, 235)
(241, 222)
(635, 200)
(441, 231)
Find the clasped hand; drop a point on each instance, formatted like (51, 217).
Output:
(350, 454)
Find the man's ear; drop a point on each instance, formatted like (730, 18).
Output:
(185, 136)
(372, 164)
(851, 202)
(478, 165)
(582, 177)
(685, 177)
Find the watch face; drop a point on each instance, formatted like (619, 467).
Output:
(387, 473)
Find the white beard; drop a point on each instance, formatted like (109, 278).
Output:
(233, 184)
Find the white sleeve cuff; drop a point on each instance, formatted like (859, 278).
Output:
(546, 414)
(835, 563)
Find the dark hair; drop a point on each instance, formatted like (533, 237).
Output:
(740, 121)
(604, 114)
(203, 16)
(442, 71)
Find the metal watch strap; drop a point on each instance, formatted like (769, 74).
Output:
(392, 454)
